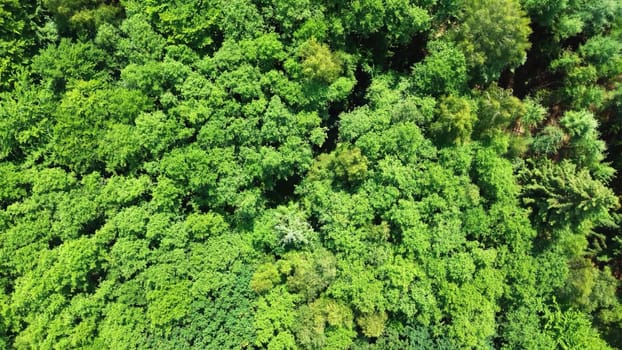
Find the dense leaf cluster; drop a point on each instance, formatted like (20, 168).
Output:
(296, 174)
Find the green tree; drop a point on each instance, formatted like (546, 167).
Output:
(563, 195)
(455, 120)
(319, 63)
(82, 16)
(82, 119)
(18, 23)
(443, 71)
(357, 174)
(494, 35)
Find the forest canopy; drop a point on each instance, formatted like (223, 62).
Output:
(297, 174)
